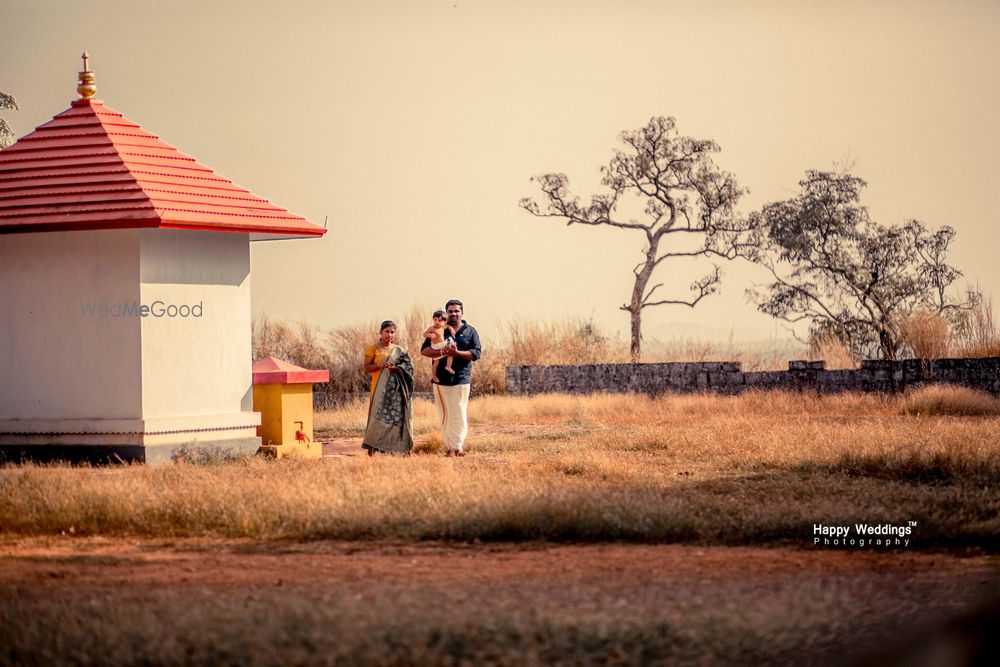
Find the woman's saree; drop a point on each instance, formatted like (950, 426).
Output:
(390, 412)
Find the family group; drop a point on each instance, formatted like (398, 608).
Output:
(454, 346)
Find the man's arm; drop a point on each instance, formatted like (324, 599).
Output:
(472, 354)
(476, 349)
(461, 354)
(427, 351)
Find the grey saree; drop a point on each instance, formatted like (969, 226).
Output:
(390, 412)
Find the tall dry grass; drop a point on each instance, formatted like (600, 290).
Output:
(756, 468)
(763, 355)
(926, 335)
(832, 350)
(573, 341)
(340, 350)
(530, 342)
(975, 333)
(943, 399)
(562, 342)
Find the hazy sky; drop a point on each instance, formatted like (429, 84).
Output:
(415, 126)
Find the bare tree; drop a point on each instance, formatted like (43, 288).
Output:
(844, 274)
(687, 210)
(6, 134)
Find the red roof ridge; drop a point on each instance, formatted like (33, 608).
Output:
(89, 167)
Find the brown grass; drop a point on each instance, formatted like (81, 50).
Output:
(731, 470)
(965, 333)
(925, 335)
(761, 468)
(762, 355)
(340, 350)
(833, 351)
(976, 333)
(942, 399)
(569, 341)
(350, 417)
(521, 342)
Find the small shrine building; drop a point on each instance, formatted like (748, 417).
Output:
(125, 325)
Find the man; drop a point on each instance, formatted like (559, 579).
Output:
(451, 388)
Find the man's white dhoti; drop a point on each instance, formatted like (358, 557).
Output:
(453, 409)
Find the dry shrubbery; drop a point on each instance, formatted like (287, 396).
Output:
(522, 342)
(926, 335)
(761, 467)
(967, 333)
(833, 351)
(945, 399)
(976, 334)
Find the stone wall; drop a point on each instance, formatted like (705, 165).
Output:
(728, 378)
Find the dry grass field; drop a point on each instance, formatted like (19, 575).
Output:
(752, 469)
(606, 529)
(925, 335)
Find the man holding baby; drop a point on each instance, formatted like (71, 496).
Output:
(451, 385)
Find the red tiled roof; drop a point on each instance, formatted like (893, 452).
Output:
(271, 370)
(92, 168)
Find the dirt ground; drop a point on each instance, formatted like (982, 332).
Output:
(725, 604)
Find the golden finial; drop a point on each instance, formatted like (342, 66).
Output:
(87, 87)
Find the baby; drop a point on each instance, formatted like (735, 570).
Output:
(436, 333)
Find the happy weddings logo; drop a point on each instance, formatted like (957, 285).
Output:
(863, 535)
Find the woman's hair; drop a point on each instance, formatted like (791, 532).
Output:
(439, 313)
(385, 325)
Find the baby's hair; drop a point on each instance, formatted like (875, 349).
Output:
(439, 313)
(385, 325)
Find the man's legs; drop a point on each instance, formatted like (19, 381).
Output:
(453, 409)
(461, 416)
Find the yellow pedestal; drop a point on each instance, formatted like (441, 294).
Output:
(280, 407)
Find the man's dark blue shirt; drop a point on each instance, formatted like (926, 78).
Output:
(467, 340)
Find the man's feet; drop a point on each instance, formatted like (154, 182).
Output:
(450, 453)
(458, 452)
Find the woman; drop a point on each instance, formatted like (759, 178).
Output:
(390, 413)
